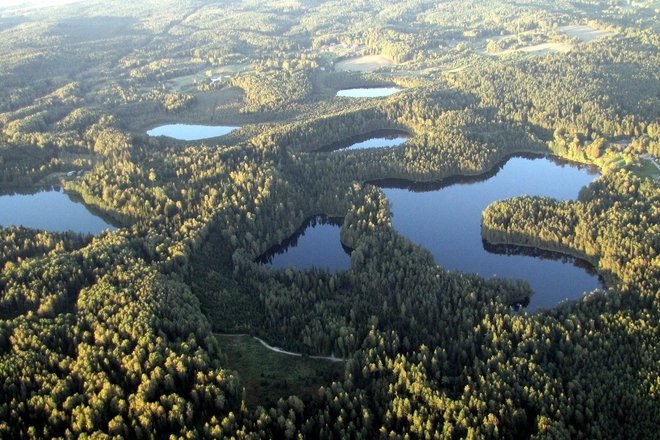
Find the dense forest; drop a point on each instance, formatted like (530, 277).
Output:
(124, 333)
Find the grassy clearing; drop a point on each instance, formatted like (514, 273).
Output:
(210, 102)
(646, 168)
(368, 63)
(216, 107)
(184, 83)
(540, 49)
(187, 83)
(268, 376)
(584, 32)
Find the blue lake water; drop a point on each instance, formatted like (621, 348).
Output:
(187, 132)
(447, 222)
(445, 218)
(379, 142)
(368, 92)
(315, 244)
(50, 210)
(375, 139)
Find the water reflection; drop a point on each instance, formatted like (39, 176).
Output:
(368, 92)
(51, 210)
(315, 244)
(445, 218)
(374, 139)
(187, 132)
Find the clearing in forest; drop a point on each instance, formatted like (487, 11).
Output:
(187, 83)
(268, 376)
(584, 32)
(367, 63)
(540, 49)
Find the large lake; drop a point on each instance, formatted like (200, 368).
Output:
(187, 132)
(374, 139)
(315, 244)
(368, 92)
(50, 210)
(447, 221)
(445, 218)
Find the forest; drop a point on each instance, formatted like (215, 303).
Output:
(146, 330)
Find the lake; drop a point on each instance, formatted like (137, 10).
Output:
(315, 244)
(187, 132)
(374, 139)
(368, 92)
(445, 218)
(51, 210)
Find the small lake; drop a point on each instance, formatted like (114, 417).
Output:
(368, 92)
(51, 210)
(187, 132)
(445, 218)
(315, 244)
(375, 139)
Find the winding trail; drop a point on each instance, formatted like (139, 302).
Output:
(651, 159)
(330, 358)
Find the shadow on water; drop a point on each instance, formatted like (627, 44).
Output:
(388, 134)
(542, 254)
(52, 209)
(521, 304)
(294, 240)
(435, 185)
(444, 216)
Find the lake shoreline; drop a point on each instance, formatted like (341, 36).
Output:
(444, 216)
(346, 144)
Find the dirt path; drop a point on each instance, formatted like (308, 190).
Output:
(288, 353)
(651, 159)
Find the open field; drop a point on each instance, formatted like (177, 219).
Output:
(210, 102)
(215, 107)
(540, 49)
(536, 44)
(267, 375)
(367, 63)
(584, 32)
(649, 167)
(646, 169)
(187, 83)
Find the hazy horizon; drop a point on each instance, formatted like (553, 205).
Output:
(35, 3)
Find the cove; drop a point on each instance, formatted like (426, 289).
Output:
(51, 210)
(445, 218)
(368, 92)
(315, 244)
(374, 139)
(187, 132)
